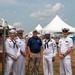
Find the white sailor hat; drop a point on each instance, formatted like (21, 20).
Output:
(65, 29)
(47, 32)
(12, 31)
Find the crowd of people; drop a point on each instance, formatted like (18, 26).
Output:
(17, 48)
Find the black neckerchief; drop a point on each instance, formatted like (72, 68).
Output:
(46, 43)
(14, 44)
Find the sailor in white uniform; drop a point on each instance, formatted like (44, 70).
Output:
(65, 47)
(22, 44)
(49, 53)
(13, 52)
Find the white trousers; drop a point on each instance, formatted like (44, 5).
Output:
(65, 66)
(20, 66)
(47, 65)
(9, 66)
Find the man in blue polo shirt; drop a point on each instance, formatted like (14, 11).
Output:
(34, 50)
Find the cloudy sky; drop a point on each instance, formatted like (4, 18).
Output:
(27, 14)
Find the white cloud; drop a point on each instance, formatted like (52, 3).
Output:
(38, 14)
(47, 10)
(8, 1)
(17, 24)
(57, 7)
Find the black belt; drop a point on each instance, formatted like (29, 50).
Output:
(35, 52)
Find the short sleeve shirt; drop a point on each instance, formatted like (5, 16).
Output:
(34, 44)
(64, 44)
(22, 43)
(51, 49)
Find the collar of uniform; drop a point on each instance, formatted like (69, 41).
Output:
(47, 40)
(19, 38)
(65, 38)
(11, 38)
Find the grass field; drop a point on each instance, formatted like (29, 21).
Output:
(56, 66)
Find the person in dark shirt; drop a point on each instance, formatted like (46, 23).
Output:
(34, 49)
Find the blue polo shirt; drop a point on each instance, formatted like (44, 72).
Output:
(34, 44)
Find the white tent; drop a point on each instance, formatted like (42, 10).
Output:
(38, 28)
(3, 22)
(10, 27)
(56, 25)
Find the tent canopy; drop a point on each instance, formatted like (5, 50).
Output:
(4, 23)
(38, 28)
(10, 27)
(57, 24)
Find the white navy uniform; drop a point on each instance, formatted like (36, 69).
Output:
(49, 46)
(21, 61)
(12, 51)
(65, 63)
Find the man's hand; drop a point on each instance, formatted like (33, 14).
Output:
(15, 58)
(23, 53)
(53, 59)
(61, 56)
(30, 55)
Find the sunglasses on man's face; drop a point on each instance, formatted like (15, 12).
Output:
(65, 31)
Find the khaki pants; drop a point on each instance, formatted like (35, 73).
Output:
(34, 64)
